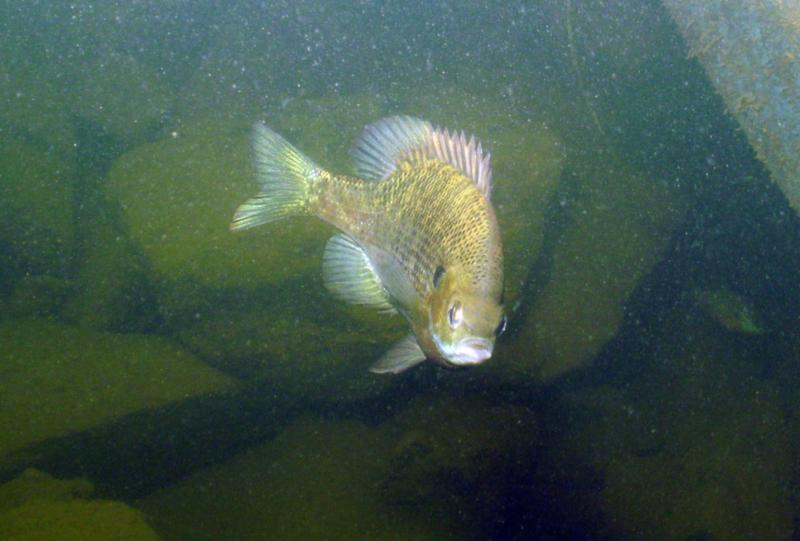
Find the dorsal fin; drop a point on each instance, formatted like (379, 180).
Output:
(390, 141)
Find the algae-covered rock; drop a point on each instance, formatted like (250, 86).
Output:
(298, 341)
(619, 227)
(33, 484)
(61, 379)
(444, 435)
(76, 520)
(38, 296)
(111, 289)
(725, 475)
(36, 506)
(316, 480)
(36, 209)
(177, 198)
(455, 459)
(696, 444)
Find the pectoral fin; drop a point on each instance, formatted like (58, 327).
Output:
(349, 274)
(403, 355)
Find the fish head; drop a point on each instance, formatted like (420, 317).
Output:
(463, 323)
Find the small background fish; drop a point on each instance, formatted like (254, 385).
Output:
(419, 235)
(729, 309)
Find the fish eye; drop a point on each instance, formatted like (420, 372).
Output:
(437, 276)
(501, 327)
(455, 314)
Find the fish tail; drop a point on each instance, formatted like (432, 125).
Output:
(285, 176)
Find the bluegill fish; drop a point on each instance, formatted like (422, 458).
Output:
(418, 233)
(729, 309)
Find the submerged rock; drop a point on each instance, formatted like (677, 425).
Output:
(725, 474)
(462, 461)
(296, 340)
(436, 470)
(33, 484)
(75, 520)
(38, 296)
(111, 289)
(61, 379)
(36, 506)
(698, 442)
(177, 198)
(619, 225)
(316, 480)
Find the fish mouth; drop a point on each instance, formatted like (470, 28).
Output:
(469, 351)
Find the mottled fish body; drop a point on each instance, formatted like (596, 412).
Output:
(419, 235)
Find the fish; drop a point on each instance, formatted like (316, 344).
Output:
(729, 309)
(417, 233)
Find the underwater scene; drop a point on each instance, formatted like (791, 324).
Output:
(364, 270)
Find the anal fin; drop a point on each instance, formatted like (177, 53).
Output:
(402, 356)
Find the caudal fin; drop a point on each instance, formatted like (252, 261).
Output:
(284, 175)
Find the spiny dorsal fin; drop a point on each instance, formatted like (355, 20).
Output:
(389, 141)
(385, 143)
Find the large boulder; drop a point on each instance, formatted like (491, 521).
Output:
(437, 470)
(697, 446)
(38, 507)
(316, 480)
(298, 340)
(178, 196)
(619, 225)
(452, 461)
(77, 520)
(717, 471)
(33, 484)
(111, 290)
(62, 379)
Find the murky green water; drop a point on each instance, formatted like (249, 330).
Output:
(208, 385)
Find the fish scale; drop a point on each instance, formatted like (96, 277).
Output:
(447, 229)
